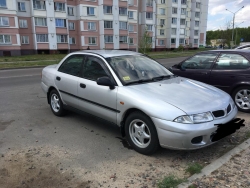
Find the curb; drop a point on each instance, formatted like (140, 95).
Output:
(217, 163)
(31, 67)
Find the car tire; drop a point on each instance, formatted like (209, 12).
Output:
(56, 104)
(241, 97)
(141, 133)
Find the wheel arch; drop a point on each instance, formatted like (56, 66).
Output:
(238, 86)
(49, 90)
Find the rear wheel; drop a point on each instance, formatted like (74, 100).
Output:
(141, 133)
(241, 98)
(56, 104)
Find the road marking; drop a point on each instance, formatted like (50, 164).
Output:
(21, 76)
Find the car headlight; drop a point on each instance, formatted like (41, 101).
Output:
(196, 118)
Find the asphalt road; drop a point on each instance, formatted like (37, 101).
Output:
(83, 141)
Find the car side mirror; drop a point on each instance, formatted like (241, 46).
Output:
(105, 81)
(182, 68)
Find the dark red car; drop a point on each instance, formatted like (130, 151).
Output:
(228, 70)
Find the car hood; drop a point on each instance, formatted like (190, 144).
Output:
(188, 95)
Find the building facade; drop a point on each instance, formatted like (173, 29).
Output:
(49, 26)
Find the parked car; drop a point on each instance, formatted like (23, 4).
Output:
(151, 105)
(243, 47)
(228, 70)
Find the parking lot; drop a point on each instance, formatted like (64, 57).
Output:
(38, 149)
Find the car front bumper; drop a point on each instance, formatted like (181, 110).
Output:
(182, 136)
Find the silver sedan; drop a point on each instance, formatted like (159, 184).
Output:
(152, 106)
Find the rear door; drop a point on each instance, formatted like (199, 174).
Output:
(230, 70)
(95, 99)
(197, 67)
(67, 77)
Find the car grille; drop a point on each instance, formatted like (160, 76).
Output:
(221, 113)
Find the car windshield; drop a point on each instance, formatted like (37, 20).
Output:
(138, 69)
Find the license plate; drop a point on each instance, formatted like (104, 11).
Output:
(227, 129)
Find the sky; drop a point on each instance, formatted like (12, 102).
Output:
(218, 17)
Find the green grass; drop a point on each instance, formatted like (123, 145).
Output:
(27, 64)
(170, 182)
(36, 57)
(194, 168)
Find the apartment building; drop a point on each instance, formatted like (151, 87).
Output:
(49, 26)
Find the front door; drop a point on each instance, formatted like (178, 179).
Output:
(197, 67)
(95, 99)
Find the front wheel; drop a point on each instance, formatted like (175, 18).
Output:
(56, 104)
(241, 98)
(141, 133)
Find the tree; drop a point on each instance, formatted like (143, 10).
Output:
(145, 43)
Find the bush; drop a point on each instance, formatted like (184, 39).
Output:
(194, 168)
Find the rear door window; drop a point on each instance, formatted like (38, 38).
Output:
(232, 61)
(72, 65)
(200, 61)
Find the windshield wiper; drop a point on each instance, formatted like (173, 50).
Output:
(139, 81)
(161, 77)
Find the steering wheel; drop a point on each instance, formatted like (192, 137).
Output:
(192, 65)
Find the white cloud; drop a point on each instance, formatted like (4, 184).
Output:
(218, 10)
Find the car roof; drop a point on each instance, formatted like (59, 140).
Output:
(109, 53)
(233, 50)
(243, 46)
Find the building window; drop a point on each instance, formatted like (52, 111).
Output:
(5, 39)
(130, 28)
(24, 39)
(21, 6)
(149, 27)
(162, 11)
(3, 3)
(71, 26)
(91, 26)
(122, 11)
(198, 5)
(130, 2)
(108, 38)
(173, 41)
(92, 40)
(40, 21)
(162, 21)
(174, 10)
(174, 1)
(149, 15)
(107, 9)
(42, 38)
(39, 5)
(60, 22)
(149, 3)
(62, 38)
(4, 21)
(90, 11)
(123, 39)
(183, 11)
(197, 14)
(196, 32)
(182, 31)
(70, 11)
(59, 6)
(174, 20)
(183, 21)
(183, 2)
(161, 31)
(173, 31)
(23, 24)
(130, 14)
(197, 23)
(131, 41)
(161, 42)
(163, 1)
(195, 41)
(108, 24)
(123, 25)
(72, 40)
(181, 41)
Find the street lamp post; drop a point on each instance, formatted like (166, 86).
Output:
(236, 31)
(233, 21)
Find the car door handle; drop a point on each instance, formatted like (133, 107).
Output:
(58, 78)
(82, 85)
(204, 73)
